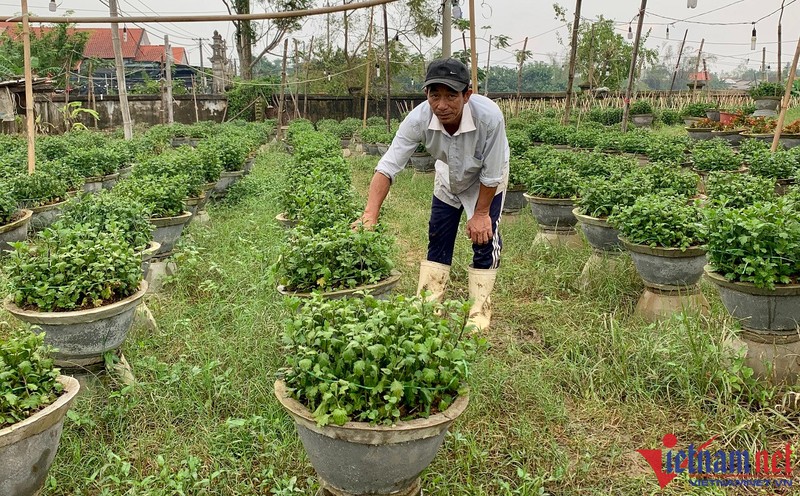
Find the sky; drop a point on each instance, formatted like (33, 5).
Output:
(724, 24)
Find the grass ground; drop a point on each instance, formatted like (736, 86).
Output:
(571, 386)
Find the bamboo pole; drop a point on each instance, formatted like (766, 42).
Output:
(573, 53)
(202, 18)
(168, 71)
(308, 68)
(283, 89)
(368, 69)
(388, 72)
(697, 65)
(678, 64)
(632, 76)
(29, 102)
(519, 75)
(787, 96)
(488, 68)
(122, 89)
(473, 48)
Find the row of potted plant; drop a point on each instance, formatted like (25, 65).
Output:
(323, 253)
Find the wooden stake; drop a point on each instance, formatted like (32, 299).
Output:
(296, 81)
(519, 75)
(697, 65)
(308, 67)
(678, 64)
(194, 97)
(283, 89)
(168, 70)
(29, 102)
(122, 89)
(368, 71)
(488, 68)
(626, 109)
(388, 72)
(787, 96)
(780, 41)
(473, 48)
(591, 57)
(573, 49)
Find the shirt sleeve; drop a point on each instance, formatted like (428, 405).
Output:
(495, 157)
(405, 142)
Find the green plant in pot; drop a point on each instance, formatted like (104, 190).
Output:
(767, 97)
(44, 192)
(514, 201)
(320, 199)
(337, 260)
(163, 199)
(715, 155)
(665, 236)
(669, 179)
(780, 166)
(642, 113)
(81, 286)
(738, 190)
(373, 386)
(750, 147)
(112, 213)
(552, 188)
(34, 399)
(598, 198)
(754, 260)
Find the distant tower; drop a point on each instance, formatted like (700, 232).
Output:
(219, 63)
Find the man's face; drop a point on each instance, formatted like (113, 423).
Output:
(446, 103)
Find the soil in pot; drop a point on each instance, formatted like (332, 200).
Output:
(15, 230)
(360, 459)
(27, 448)
(81, 337)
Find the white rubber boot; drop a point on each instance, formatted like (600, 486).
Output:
(433, 277)
(481, 284)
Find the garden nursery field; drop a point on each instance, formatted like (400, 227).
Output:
(172, 273)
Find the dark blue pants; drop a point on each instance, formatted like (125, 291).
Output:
(443, 229)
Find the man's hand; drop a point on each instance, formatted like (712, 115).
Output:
(367, 221)
(479, 228)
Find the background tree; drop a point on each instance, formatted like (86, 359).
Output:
(249, 33)
(606, 54)
(55, 50)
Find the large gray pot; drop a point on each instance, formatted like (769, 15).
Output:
(790, 140)
(423, 162)
(767, 106)
(93, 184)
(45, 215)
(372, 149)
(248, 164)
(642, 120)
(28, 448)
(360, 459)
(81, 337)
(192, 205)
(600, 235)
(553, 213)
(514, 202)
(168, 230)
(147, 256)
(382, 148)
(760, 309)
(15, 231)
(110, 180)
(699, 133)
(667, 268)
(380, 289)
(226, 180)
(734, 137)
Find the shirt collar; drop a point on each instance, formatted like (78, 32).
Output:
(466, 125)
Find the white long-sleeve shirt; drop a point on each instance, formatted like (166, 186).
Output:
(477, 153)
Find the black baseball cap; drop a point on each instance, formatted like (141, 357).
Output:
(450, 72)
